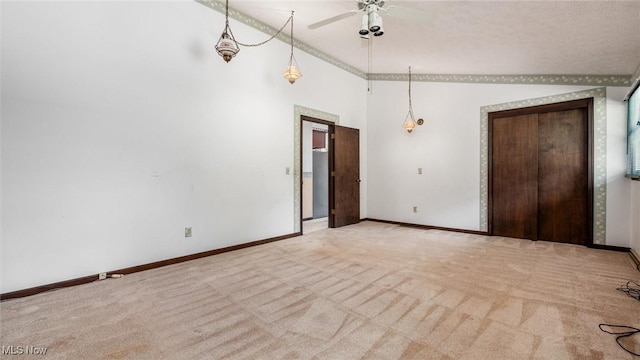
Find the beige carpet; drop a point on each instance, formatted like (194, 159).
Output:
(368, 291)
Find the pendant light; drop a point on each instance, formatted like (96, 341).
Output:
(293, 72)
(409, 121)
(227, 46)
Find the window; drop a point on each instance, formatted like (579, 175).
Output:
(633, 133)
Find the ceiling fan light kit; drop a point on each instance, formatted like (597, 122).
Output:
(371, 21)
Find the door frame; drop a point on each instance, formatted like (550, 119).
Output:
(585, 103)
(331, 155)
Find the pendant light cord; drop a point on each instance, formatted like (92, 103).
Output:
(410, 107)
(369, 64)
(226, 14)
(227, 28)
(291, 58)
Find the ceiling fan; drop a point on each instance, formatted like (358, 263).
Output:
(371, 20)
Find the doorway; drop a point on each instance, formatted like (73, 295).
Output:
(541, 172)
(330, 181)
(315, 176)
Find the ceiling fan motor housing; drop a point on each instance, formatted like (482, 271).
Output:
(364, 3)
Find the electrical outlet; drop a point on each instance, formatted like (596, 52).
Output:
(415, 209)
(419, 171)
(187, 232)
(102, 276)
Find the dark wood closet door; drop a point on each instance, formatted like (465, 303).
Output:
(541, 172)
(562, 176)
(515, 176)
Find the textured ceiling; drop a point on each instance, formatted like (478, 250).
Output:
(472, 37)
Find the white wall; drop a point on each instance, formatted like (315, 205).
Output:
(121, 126)
(618, 187)
(307, 146)
(635, 216)
(447, 147)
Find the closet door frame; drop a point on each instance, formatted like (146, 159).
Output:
(562, 106)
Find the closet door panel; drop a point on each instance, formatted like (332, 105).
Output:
(562, 176)
(514, 176)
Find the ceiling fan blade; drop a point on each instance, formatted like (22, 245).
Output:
(407, 14)
(333, 19)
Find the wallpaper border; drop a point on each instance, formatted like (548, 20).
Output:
(599, 96)
(636, 75)
(588, 80)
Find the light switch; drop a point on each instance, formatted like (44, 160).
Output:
(419, 171)
(287, 170)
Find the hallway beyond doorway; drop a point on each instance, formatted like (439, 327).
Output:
(309, 226)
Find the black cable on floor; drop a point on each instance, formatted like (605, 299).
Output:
(632, 289)
(622, 331)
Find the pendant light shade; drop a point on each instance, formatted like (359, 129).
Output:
(364, 25)
(409, 123)
(292, 73)
(227, 47)
(375, 22)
